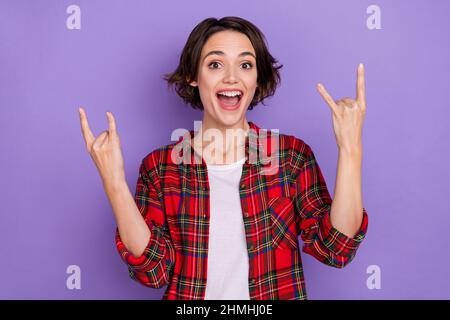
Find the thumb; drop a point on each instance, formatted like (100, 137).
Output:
(112, 124)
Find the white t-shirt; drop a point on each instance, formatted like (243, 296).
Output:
(227, 274)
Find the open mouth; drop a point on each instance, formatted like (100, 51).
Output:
(229, 98)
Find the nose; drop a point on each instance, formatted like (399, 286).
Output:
(230, 76)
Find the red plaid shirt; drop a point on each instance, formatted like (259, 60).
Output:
(173, 198)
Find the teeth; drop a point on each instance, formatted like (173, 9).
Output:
(230, 93)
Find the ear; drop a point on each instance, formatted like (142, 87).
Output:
(192, 83)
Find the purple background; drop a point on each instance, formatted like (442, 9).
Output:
(55, 213)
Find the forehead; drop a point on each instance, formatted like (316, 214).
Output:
(230, 42)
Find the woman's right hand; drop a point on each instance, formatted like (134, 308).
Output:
(106, 152)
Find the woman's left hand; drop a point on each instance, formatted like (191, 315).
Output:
(348, 114)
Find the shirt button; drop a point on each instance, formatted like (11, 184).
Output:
(246, 214)
(242, 186)
(252, 281)
(250, 246)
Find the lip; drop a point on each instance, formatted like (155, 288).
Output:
(229, 89)
(226, 107)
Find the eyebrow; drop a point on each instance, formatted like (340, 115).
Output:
(221, 53)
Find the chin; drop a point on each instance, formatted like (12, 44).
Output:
(230, 119)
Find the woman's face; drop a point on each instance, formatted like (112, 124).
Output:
(227, 62)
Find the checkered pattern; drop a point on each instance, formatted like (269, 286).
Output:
(277, 206)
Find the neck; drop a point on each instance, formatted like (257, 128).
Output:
(219, 144)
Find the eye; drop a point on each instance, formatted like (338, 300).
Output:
(214, 62)
(248, 63)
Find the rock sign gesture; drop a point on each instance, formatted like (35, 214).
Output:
(348, 114)
(105, 150)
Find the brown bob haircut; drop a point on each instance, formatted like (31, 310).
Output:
(268, 76)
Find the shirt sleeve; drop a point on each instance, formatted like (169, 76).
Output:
(155, 266)
(312, 203)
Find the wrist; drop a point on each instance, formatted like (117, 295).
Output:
(114, 185)
(355, 150)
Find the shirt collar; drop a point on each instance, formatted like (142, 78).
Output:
(255, 140)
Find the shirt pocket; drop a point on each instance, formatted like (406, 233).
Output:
(283, 227)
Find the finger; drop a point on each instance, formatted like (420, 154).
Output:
(341, 103)
(326, 96)
(350, 102)
(361, 86)
(100, 139)
(112, 123)
(87, 133)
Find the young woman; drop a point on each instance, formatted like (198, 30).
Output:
(210, 218)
